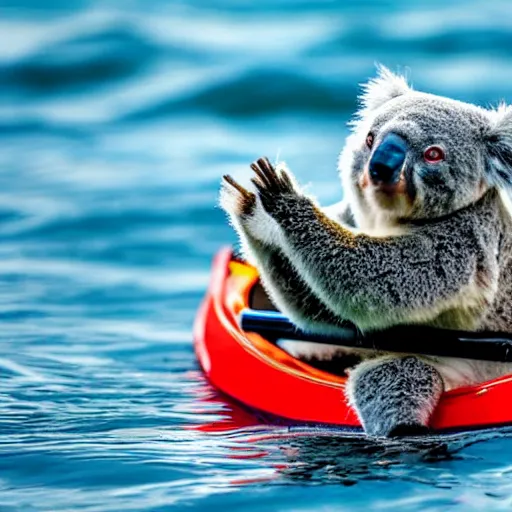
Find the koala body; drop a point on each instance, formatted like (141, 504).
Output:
(423, 236)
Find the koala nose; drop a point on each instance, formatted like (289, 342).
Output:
(387, 160)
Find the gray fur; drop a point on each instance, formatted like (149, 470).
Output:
(439, 254)
(410, 395)
(288, 290)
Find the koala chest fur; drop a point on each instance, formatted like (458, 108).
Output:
(423, 236)
(484, 306)
(499, 315)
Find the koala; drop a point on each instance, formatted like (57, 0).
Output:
(422, 236)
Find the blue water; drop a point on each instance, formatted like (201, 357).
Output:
(117, 120)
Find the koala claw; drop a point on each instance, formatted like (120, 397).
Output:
(271, 183)
(246, 209)
(236, 199)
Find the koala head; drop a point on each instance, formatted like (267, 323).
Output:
(413, 155)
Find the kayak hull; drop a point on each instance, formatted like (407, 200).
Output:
(264, 378)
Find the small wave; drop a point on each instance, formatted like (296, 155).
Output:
(258, 92)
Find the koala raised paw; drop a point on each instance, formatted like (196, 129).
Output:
(250, 213)
(255, 211)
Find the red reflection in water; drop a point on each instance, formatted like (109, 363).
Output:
(229, 416)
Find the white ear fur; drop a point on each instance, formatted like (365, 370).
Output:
(379, 90)
(499, 146)
(501, 124)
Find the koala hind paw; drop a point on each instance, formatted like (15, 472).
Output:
(394, 396)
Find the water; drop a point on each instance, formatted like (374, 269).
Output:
(117, 120)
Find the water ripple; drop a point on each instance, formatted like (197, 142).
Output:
(117, 122)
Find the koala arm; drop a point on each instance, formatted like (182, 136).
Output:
(285, 287)
(438, 269)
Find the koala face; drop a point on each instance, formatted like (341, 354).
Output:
(417, 156)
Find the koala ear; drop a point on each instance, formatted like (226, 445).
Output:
(499, 146)
(381, 89)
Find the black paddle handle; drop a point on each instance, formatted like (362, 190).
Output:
(488, 346)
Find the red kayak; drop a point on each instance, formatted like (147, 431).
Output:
(258, 374)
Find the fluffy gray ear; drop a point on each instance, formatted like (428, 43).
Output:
(499, 146)
(381, 89)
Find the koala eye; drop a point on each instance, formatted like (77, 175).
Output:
(433, 154)
(369, 140)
